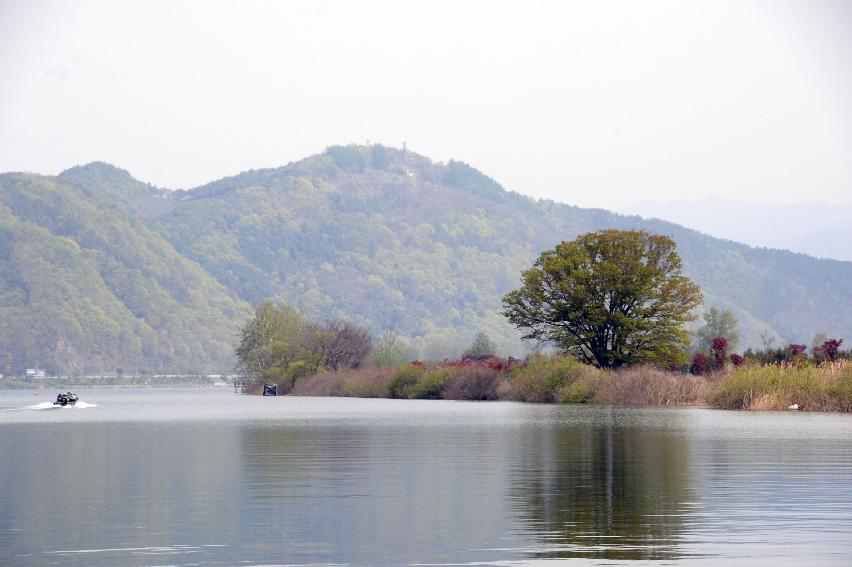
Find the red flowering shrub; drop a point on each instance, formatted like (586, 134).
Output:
(700, 362)
(488, 361)
(796, 350)
(737, 360)
(720, 350)
(830, 348)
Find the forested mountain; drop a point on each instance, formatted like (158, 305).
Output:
(378, 236)
(85, 287)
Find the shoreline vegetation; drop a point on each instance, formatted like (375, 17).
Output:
(122, 381)
(562, 379)
(613, 304)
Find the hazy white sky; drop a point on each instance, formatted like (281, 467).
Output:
(592, 103)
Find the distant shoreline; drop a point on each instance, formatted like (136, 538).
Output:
(112, 382)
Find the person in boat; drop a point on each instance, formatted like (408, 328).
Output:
(65, 399)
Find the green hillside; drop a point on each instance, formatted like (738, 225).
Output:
(375, 235)
(85, 288)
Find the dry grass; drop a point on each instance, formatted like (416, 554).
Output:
(649, 386)
(559, 379)
(827, 387)
(472, 383)
(359, 383)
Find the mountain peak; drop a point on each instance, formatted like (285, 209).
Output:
(96, 168)
(104, 178)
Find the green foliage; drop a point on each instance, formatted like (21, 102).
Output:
(380, 156)
(460, 174)
(718, 323)
(827, 387)
(349, 158)
(432, 384)
(86, 288)
(99, 270)
(404, 380)
(543, 377)
(278, 344)
(269, 341)
(389, 351)
(579, 392)
(610, 297)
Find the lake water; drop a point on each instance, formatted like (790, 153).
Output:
(209, 477)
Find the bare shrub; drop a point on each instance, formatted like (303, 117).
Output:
(361, 382)
(766, 401)
(337, 344)
(646, 385)
(472, 383)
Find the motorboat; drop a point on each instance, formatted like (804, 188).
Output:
(67, 399)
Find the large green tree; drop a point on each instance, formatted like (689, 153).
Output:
(610, 298)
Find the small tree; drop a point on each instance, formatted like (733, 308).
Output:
(718, 323)
(337, 345)
(767, 339)
(482, 345)
(350, 345)
(389, 351)
(610, 298)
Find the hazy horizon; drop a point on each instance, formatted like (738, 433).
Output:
(595, 104)
(819, 229)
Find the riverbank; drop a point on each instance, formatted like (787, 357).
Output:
(112, 382)
(827, 387)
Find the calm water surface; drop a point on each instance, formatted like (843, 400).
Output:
(207, 477)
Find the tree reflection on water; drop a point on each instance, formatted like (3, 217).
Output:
(611, 491)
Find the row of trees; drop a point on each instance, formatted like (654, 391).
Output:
(280, 344)
(719, 336)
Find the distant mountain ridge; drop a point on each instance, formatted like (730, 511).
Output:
(379, 236)
(819, 229)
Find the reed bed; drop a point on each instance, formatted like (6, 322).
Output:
(559, 379)
(827, 387)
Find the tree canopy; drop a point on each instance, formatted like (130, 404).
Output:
(482, 345)
(279, 344)
(718, 323)
(610, 298)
